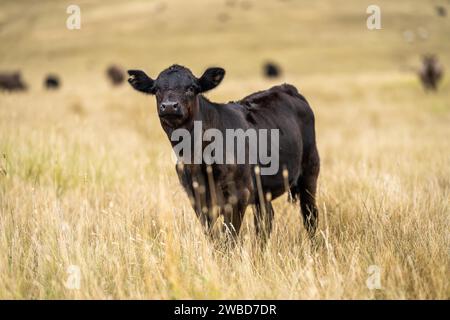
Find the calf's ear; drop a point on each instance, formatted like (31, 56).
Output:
(211, 78)
(141, 82)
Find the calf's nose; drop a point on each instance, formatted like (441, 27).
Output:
(169, 107)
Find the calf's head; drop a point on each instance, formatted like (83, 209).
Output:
(176, 90)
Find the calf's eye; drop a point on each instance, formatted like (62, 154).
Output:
(190, 90)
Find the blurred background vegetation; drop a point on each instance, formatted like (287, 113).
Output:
(306, 38)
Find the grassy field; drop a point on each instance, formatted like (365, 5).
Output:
(86, 178)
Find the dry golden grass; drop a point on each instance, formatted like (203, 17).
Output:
(86, 178)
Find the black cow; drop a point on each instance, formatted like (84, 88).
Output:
(271, 70)
(12, 81)
(227, 189)
(52, 82)
(441, 11)
(430, 73)
(115, 74)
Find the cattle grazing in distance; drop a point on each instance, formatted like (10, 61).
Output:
(431, 72)
(52, 82)
(271, 70)
(441, 11)
(12, 81)
(115, 74)
(223, 188)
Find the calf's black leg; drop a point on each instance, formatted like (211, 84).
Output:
(234, 213)
(263, 221)
(306, 188)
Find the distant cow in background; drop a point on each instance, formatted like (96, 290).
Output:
(115, 74)
(12, 81)
(441, 11)
(52, 82)
(271, 70)
(430, 73)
